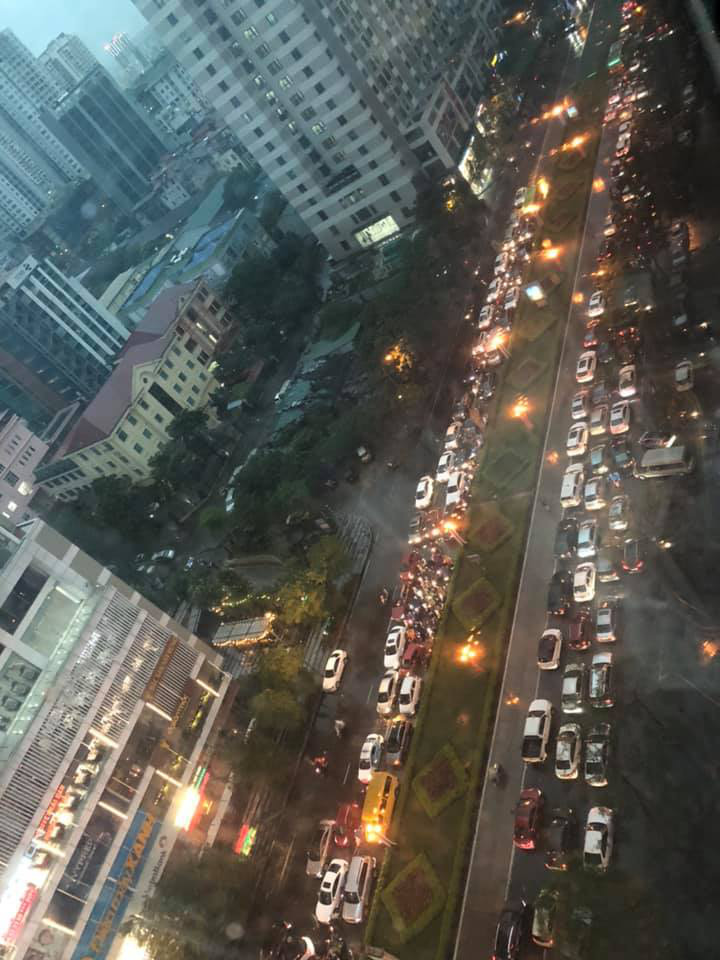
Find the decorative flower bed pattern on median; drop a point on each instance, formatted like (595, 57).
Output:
(414, 898)
(489, 527)
(501, 470)
(475, 604)
(441, 782)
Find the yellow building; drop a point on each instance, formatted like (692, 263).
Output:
(166, 366)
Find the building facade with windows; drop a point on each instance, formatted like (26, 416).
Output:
(34, 163)
(67, 60)
(21, 452)
(348, 107)
(166, 366)
(114, 139)
(108, 711)
(167, 93)
(57, 342)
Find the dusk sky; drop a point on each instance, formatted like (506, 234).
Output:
(36, 23)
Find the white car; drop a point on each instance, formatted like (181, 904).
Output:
(485, 317)
(586, 366)
(394, 648)
(424, 493)
(568, 748)
(370, 756)
(334, 669)
(512, 298)
(620, 417)
(456, 490)
(331, 891)
(549, 649)
(595, 494)
(579, 408)
(619, 513)
(410, 691)
(599, 834)
(536, 732)
(452, 435)
(609, 228)
(446, 466)
(387, 693)
(501, 263)
(587, 540)
(627, 381)
(684, 377)
(520, 196)
(584, 583)
(599, 420)
(494, 290)
(596, 304)
(577, 439)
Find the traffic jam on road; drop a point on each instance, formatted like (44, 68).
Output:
(343, 855)
(613, 443)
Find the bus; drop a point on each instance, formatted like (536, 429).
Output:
(378, 807)
(664, 462)
(615, 57)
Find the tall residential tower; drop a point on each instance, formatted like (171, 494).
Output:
(67, 60)
(349, 107)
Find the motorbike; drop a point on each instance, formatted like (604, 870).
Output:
(495, 774)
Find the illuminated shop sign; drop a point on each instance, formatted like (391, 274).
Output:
(245, 840)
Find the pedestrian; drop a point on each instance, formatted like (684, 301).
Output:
(545, 505)
(339, 728)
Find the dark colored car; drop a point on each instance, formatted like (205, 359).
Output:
(566, 539)
(560, 839)
(580, 631)
(607, 565)
(528, 817)
(622, 455)
(511, 931)
(590, 339)
(600, 459)
(397, 742)
(560, 593)
(633, 556)
(487, 385)
(597, 755)
(605, 353)
(600, 393)
(347, 825)
(651, 440)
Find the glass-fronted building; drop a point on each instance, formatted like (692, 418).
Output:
(107, 708)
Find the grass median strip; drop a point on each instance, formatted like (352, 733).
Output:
(462, 684)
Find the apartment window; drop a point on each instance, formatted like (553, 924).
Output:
(259, 3)
(328, 142)
(272, 99)
(250, 34)
(190, 364)
(308, 113)
(195, 389)
(344, 244)
(383, 179)
(132, 420)
(171, 19)
(222, 85)
(235, 101)
(372, 164)
(271, 19)
(147, 434)
(211, 71)
(362, 150)
(177, 388)
(258, 81)
(286, 82)
(284, 36)
(295, 54)
(122, 435)
(394, 195)
(202, 376)
(319, 88)
(263, 50)
(302, 188)
(137, 448)
(315, 156)
(203, 357)
(308, 71)
(198, 53)
(163, 374)
(335, 231)
(258, 131)
(330, 104)
(281, 161)
(159, 417)
(352, 135)
(304, 142)
(342, 119)
(339, 156)
(322, 216)
(190, 402)
(238, 17)
(11, 478)
(270, 147)
(274, 67)
(324, 170)
(223, 33)
(143, 404)
(210, 16)
(170, 365)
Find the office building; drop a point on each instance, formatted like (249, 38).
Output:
(67, 61)
(114, 139)
(21, 452)
(57, 342)
(34, 162)
(108, 709)
(347, 108)
(128, 55)
(165, 367)
(168, 94)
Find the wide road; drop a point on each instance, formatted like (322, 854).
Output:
(488, 883)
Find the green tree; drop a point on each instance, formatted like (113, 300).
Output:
(215, 520)
(279, 667)
(276, 710)
(328, 557)
(303, 599)
(238, 189)
(250, 282)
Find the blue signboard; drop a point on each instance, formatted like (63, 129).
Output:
(109, 908)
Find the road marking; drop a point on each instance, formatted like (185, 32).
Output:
(347, 772)
(370, 693)
(286, 861)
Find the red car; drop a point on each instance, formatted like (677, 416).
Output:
(408, 565)
(528, 816)
(580, 632)
(347, 825)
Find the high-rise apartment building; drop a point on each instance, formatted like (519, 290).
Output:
(114, 139)
(34, 163)
(108, 709)
(67, 61)
(57, 342)
(166, 91)
(128, 56)
(347, 106)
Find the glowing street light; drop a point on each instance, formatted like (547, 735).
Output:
(520, 410)
(552, 253)
(598, 185)
(543, 187)
(578, 297)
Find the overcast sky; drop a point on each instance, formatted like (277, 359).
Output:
(37, 22)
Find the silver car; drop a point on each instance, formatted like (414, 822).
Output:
(357, 889)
